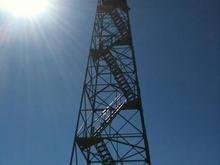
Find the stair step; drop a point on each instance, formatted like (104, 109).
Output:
(115, 69)
(104, 153)
(119, 23)
(118, 74)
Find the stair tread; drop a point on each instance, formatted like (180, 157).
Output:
(104, 154)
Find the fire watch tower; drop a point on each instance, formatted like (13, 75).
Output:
(110, 127)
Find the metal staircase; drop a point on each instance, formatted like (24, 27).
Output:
(119, 76)
(106, 121)
(104, 51)
(119, 23)
(104, 153)
(116, 72)
(110, 125)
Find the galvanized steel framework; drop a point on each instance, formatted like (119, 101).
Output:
(110, 127)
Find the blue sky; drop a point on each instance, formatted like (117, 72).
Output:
(42, 67)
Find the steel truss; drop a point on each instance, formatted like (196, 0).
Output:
(110, 127)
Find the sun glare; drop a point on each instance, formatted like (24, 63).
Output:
(24, 8)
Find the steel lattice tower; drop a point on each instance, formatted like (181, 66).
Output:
(110, 127)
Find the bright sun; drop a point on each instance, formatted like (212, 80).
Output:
(24, 8)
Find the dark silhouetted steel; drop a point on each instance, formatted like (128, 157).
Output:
(110, 127)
